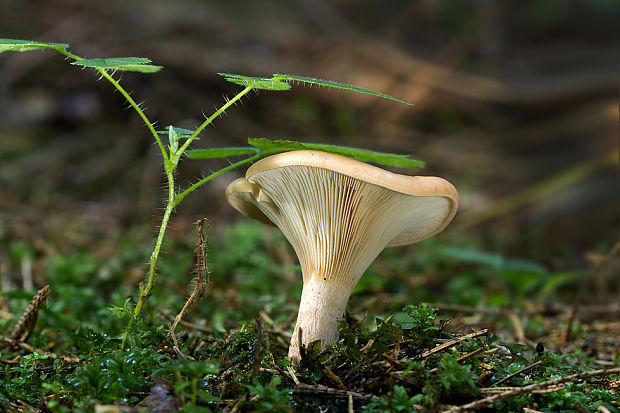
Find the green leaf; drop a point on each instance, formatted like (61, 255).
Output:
(214, 153)
(268, 146)
(132, 64)
(181, 132)
(256, 82)
(15, 45)
(173, 138)
(282, 82)
(335, 85)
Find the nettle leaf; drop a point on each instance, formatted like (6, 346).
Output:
(256, 82)
(131, 64)
(268, 146)
(215, 153)
(335, 85)
(16, 45)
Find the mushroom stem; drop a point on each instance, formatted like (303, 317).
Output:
(323, 303)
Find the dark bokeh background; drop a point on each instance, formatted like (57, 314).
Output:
(516, 103)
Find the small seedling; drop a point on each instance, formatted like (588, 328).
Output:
(179, 140)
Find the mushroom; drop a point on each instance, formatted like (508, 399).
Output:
(338, 214)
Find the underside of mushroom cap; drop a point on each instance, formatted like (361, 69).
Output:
(426, 203)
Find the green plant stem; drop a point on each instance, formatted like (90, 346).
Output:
(173, 200)
(134, 105)
(170, 163)
(145, 291)
(129, 99)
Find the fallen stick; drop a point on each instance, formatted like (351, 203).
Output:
(527, 389)
(306, 388)
(451, 343)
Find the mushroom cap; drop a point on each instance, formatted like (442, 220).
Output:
(427, 203)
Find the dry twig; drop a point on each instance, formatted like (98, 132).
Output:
(528, 389)
(451, 343)
(516, 373)
(280, 371)
(187, 324)
(306, 388)
(499, 390)
(335, 378)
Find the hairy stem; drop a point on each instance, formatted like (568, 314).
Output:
(145, 291)
(136, 107)
(104, 73)
(170, 162)
(174, 200)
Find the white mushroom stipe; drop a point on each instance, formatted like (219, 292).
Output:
(338, 214)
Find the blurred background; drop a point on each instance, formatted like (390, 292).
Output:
(516, 103)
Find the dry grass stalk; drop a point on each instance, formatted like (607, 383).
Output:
(202, 274)
(26, 323)
(451, 343)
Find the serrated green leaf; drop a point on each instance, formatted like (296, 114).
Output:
(214, 153)
(132, 64)
(268, 146)
(282, 82)
(335, 85)
(182, 133)
(256, 82)
(16, 45)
